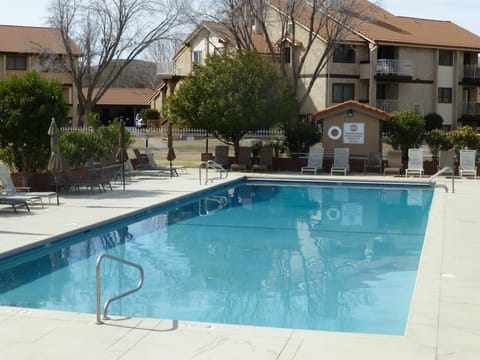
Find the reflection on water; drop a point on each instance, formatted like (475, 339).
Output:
(329, 258)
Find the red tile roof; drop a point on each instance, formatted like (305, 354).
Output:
(32, 40)
(352, 104)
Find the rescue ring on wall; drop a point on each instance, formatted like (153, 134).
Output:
(333, 214)
(334, 132)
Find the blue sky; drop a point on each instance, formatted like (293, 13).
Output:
(462, 12)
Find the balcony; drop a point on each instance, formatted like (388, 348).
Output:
(169, 69)
(387, 105)
(471, 75)
(394, 70)
(471, 109)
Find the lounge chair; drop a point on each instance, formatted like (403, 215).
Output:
(415, 162)
(221, 155)
(340, 161)
(373, 161)
(394, 163)
(244, 161)
(265, 161)
(130, 171)
(175, 168)
(446, 158)
(22, 193)
(468, 164)
(315, 161)
(14, 202)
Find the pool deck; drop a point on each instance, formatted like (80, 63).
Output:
(444, 320)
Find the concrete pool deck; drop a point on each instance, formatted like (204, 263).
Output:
(444, 321)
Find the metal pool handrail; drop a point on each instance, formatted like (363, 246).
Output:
(210, 164)
(441, 171)
(107, 303)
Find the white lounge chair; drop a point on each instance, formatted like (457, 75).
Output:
(23, 193)
(468, 164)
(415, 162)
(315, 161)
(340, 161)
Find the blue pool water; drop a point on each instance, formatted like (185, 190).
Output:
(340, 258)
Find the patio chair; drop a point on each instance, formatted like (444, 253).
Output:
(14, 202)
(68, 180)
(244, 161)
(394, 163)
(265, 161)
(446, 158)
(415, 162)
(373, 161)
(315, 161)
(221, 155)
(467, 164)
(340, 161)
(22, 193)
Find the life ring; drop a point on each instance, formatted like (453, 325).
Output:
(333, 214)
(334, 132)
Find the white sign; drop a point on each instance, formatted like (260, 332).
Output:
(354, 133)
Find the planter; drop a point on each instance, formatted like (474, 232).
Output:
(206, 156)
(35, 182)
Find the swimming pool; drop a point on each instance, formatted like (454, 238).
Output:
(341, 258)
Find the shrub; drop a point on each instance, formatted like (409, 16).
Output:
(437, 140)
(433, 121)
(78, 147)
(406, 131)
(300, 135)
(464, 138)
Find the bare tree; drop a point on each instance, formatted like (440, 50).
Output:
(290, 30)
(108, 31)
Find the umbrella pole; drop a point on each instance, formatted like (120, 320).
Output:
(123, 175)
(56, 189)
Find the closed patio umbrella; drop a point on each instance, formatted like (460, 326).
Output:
(55, 162)
(122, 155)
(171, 153)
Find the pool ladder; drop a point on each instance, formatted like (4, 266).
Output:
(112, 299)
(222, 173)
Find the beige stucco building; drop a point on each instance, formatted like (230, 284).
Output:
(387, 61)
(23, 49)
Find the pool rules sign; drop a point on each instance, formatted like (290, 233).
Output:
(353, 133)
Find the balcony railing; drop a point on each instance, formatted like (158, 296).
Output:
(387, 105)
(471, 108)
(391, 67)
(171, 68)
(471, 72)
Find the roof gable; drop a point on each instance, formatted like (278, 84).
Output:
(351, 105)
(32, 40)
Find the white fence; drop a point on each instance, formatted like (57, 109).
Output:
(180, 133)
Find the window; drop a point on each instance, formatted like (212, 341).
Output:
(198, 57)
(444, 95)
(445, 58)
(16, 62)
(344, 53)
(343, 92)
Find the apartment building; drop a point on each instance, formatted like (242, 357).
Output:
(385, 61)
(24, 49)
